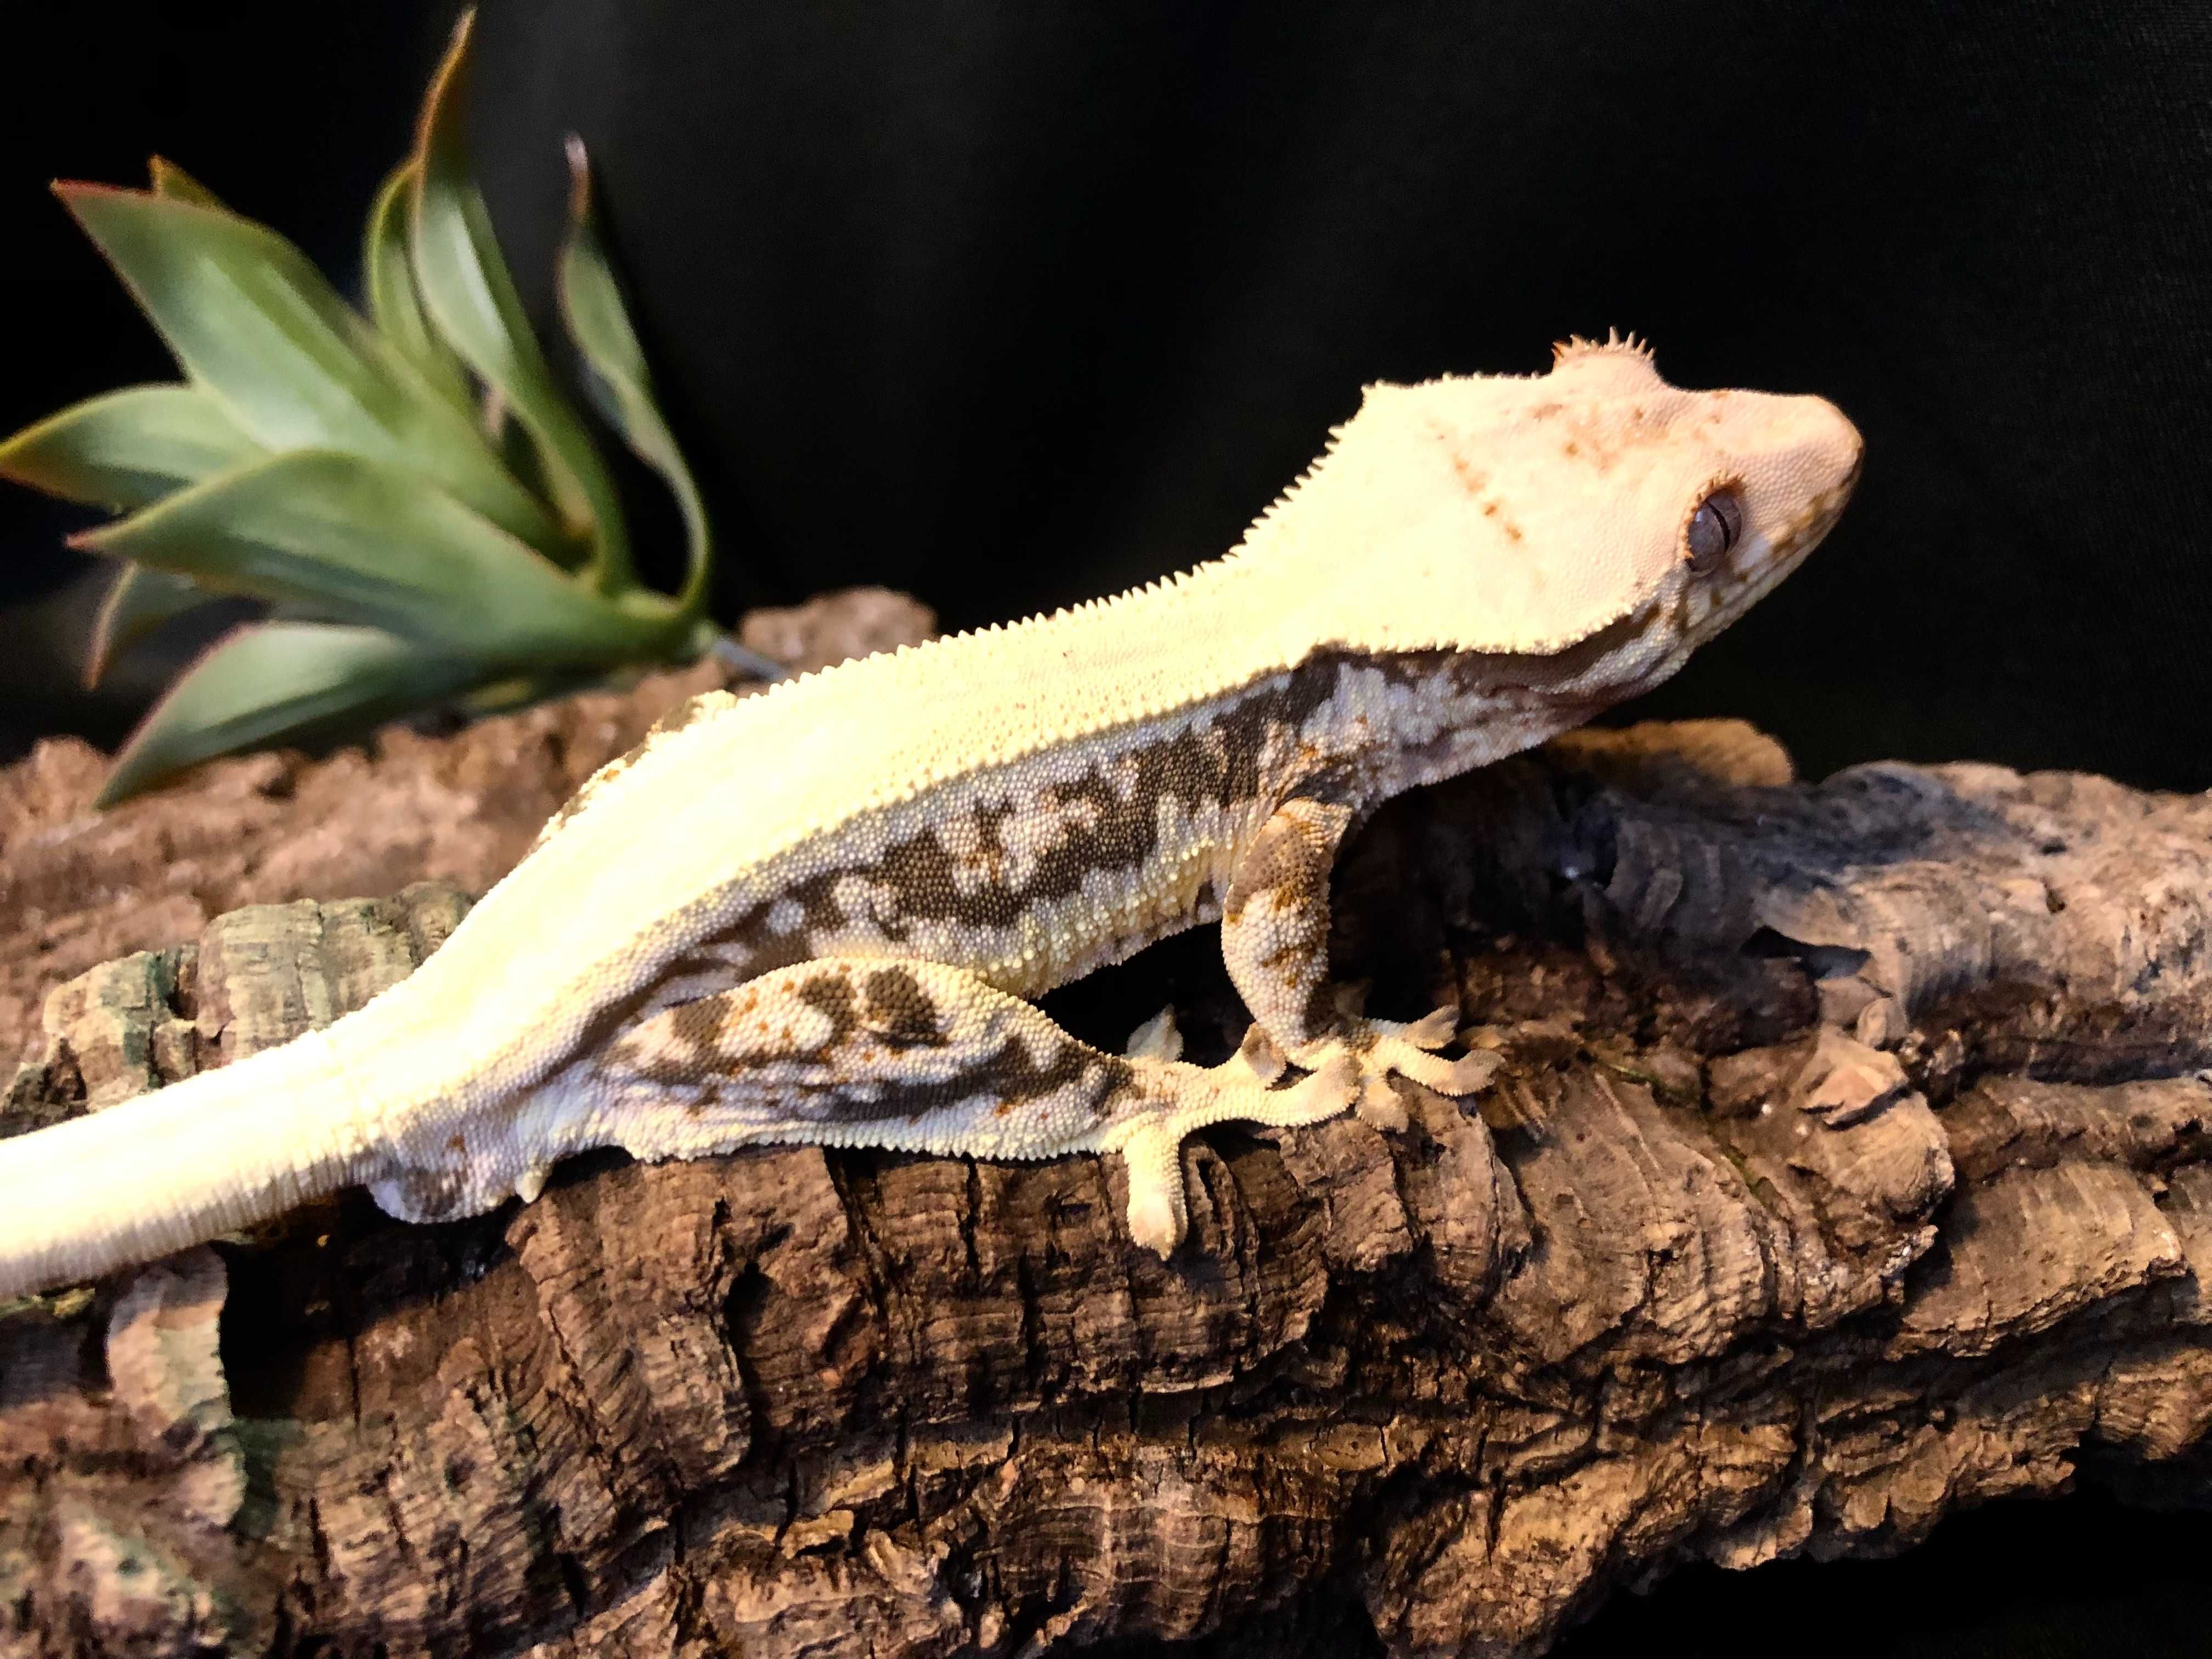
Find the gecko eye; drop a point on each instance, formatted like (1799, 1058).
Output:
(1715, 527)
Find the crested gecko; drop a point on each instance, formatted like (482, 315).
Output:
(815, 914)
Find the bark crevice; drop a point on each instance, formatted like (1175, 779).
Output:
(1849, 1164)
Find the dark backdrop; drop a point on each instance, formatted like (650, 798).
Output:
(1010, 303)
(1013, 303)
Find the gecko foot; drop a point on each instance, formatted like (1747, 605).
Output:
(1151, 1139)
(1383, 1048)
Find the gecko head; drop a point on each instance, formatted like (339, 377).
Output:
(1593, 515)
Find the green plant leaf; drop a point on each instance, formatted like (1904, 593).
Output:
(469, 292)
(514, 446)
(269, 680)
(165, 178)
(138, 601)
(370, 544)
(598, 322)
(255, 324)
(125, 448)
(502, 696)
(388, 275)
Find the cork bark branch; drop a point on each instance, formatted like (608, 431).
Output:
(1850, 1165)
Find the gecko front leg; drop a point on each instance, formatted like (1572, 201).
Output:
(1274, 936)
(913, 1056)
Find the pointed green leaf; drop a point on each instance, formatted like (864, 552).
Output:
(360, 541)
(267, 681)
(126, 448)
(165, 178)
(388, 274)
(138, 601)
(254, 323)
(466, 288)
(598, 322)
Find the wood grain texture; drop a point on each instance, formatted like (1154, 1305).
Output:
(1850, 1165)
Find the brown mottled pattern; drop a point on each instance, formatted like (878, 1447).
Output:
(831, 995)
(958, 879)
(948, 890)
(1016, 1077)
(692, 1047)
(1285, 873)
(1010, 1075)
(712, 1049)
(899, 1012)
(1287, 862)
(1211, 760)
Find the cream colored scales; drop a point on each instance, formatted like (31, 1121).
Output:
(813, 914)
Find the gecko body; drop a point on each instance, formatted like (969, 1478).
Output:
(816, 915)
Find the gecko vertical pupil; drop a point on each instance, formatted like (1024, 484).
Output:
(1715, 527)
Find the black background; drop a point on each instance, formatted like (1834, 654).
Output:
(1010, 304)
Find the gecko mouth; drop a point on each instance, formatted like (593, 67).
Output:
(1587, 676)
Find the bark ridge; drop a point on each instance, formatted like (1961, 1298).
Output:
(1852, 1162)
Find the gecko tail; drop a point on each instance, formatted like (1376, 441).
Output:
(203, 1156)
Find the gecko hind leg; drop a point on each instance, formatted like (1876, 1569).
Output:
(920, 1056)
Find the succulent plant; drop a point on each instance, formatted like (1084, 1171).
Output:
(410, 489)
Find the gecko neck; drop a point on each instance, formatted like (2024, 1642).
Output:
(1383, 722)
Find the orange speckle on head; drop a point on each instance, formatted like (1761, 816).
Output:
(1471, 477)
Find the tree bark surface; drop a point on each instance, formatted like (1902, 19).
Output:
(1849, 1164)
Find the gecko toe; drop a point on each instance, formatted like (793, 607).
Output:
(1472, 1072)
(1261, 1053)
(1323, 1095)
(1159, 1214)
(1432, 1031)
(1379, 1105)
(1384, 1051)
(1157, 1038)
(1462, 1075)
